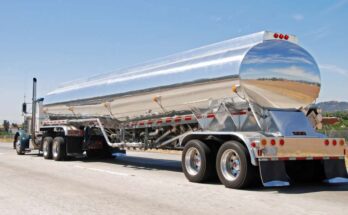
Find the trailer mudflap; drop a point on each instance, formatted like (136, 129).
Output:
(273, 173)
(335, 171)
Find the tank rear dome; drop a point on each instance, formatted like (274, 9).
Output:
(279, 74)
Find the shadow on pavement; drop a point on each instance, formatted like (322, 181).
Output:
(302, 188)
(140, 163)
(144, 163)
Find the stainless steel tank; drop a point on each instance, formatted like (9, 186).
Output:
(272, 72)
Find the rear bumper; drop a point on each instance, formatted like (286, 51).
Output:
(301, 158)
(280, 159)
(300, 149)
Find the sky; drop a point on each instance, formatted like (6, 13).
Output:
(60, 41)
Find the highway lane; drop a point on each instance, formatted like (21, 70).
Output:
(143, 183)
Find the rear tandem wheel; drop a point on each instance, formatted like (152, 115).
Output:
(47, 147)
(198, 161)
(234, 167)
(58, 149)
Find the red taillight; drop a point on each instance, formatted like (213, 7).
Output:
(334, 142)
(286, 37)
(281, 36)
(273, 142)
(281, 142)
(275, 35)
(327, 142)
(253, 144)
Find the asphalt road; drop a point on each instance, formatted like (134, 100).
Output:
(143, 183)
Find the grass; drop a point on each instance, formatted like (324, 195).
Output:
(6, 137)
(6, 140)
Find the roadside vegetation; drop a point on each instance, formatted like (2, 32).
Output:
(5, 137)
(339, 129)
(6, 132)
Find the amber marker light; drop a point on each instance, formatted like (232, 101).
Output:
(234, 88)
(342, 142)
(264, 142)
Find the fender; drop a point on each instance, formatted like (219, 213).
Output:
(246, 138)
(24, 139)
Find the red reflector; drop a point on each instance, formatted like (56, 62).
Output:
(317, 158)
(273, 142)
(188, 118)
(281, 142)
(286, 37)
(281, 36)
(211, 115)
(334, 142)
(253, 145)
(275, 35)
(259, 152)
(327, 142)
(178, 119)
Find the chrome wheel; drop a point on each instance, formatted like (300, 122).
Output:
(230, 165)
(45, 148)
(19, 147)
(193, 161)
(55, 149)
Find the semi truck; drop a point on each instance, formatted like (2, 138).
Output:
(242, 111)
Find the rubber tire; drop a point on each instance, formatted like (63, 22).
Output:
(59, 146)
(248, 172)
(47, 147)
(207, 170)
(19, 147)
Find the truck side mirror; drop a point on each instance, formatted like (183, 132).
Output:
(24, 107)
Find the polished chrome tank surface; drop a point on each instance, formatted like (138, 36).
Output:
(273, 73)
(280, 74)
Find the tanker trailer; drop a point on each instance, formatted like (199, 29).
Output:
(237, 109)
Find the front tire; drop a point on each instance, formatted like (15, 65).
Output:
(197, 161)
(233, 165)
(47, 147)
(20, 147)
(58, 149)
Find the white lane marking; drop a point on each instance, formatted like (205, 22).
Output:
(102, 170)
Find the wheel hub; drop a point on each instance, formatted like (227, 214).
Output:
(230, 165)
(193, 161)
